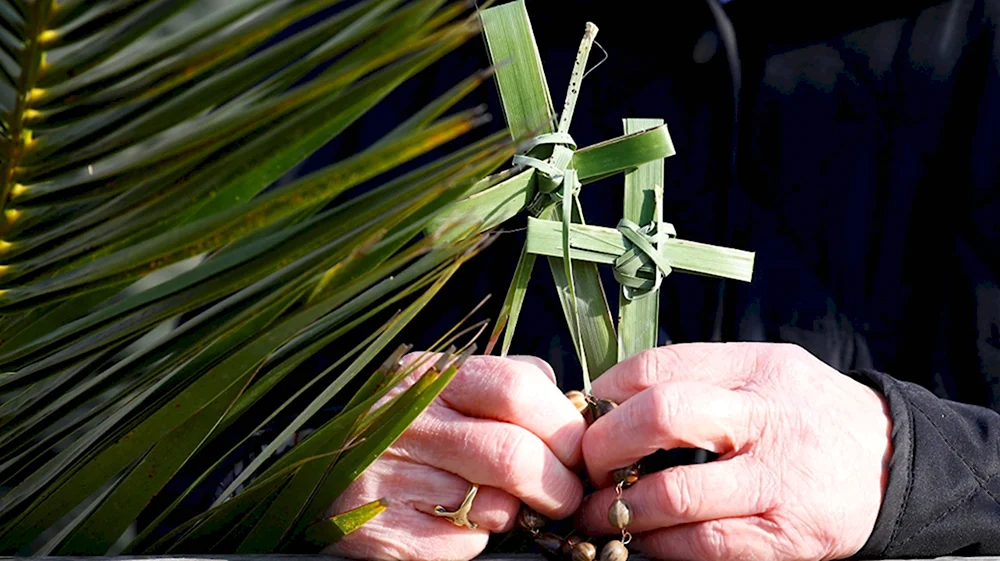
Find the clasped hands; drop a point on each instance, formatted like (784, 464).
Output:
(802, 468)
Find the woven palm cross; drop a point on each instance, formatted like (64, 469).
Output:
(643, 249)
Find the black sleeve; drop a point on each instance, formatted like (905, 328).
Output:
(943, 493)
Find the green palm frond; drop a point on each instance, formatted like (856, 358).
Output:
(142, 136)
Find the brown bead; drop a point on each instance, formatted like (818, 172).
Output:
(549, 542)
(604, 406)
(577, 399)
(620, 514)
(584, 551)
(597, 409)
(627, 476)
(528, 519)
(568, 545)
(614, 550)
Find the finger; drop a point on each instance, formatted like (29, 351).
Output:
(685, 494)
(388, 537)
(714, 540)
(493, 510)
(496, 454)
(404, 530)
(668, 416)
(414, 489)
(419, 362)
(522, 393)
(538, 363)
(728, 365)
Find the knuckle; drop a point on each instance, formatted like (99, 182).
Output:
(677, 495)
(666, 358)
(664, 409)
(475, 367)
(515, 462)
(712, 541)
(652, 364)
(773, 360)
(502, 511)
(515, 387)
(646, 364)
(533, 366)
(787, 353)
(430, 424)
(636, 373)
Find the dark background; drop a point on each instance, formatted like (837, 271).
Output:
(863, 170)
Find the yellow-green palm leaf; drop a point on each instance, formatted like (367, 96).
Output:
(142, 136)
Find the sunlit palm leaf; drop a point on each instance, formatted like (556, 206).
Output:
(129, 143)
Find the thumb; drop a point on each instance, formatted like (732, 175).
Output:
(727, 365)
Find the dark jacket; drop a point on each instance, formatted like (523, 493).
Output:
(874, 164)
(943, 495)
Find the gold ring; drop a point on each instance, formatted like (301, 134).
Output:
(460, 517)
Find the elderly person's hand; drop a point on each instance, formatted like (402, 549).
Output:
(501, 423)
(803, 452)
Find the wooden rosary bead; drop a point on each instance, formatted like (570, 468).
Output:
(604, 406)
(529, 520)
(620, 514)
(598, 409)
(568, 544)
(584, 551)
(574, 548)
(614, 550)
(626, 476)
(549, 542)
(578, 400)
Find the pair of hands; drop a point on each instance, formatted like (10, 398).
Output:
(803, 456)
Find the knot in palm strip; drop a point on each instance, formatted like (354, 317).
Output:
(550, 176)
(642, 267)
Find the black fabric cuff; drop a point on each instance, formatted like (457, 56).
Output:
(943, 492)
(900, 481)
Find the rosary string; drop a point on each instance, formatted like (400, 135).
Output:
(573, 547)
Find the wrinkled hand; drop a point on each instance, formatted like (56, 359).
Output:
(804, 453)
(501, 423)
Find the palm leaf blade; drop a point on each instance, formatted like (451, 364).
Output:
(137, 135)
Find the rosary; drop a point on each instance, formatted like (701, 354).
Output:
(574, 547)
